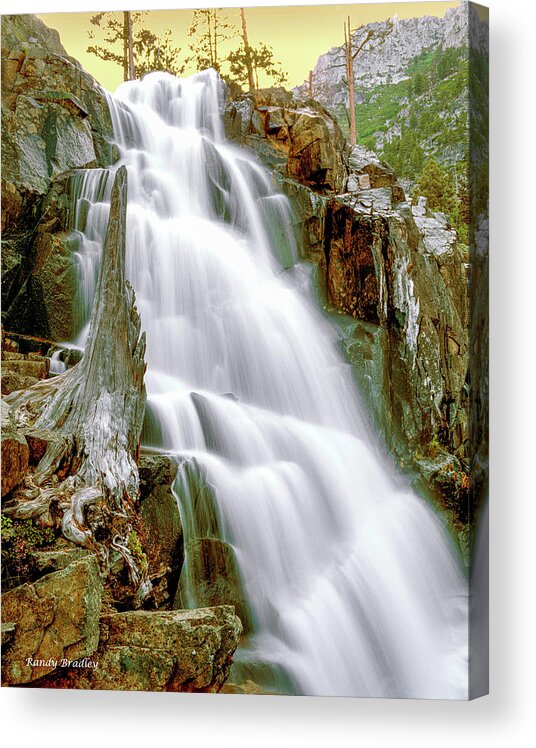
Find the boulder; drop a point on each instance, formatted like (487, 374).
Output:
(15, 452)
(57, 617)
(371, 171)
(183, 650)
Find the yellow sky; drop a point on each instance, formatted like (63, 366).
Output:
(298, 34)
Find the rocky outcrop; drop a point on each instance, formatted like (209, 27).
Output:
(379, 269)
(56, 634)
(298, 138)
(15, 452)
(55, 619)
(180, 650)
(54, 119)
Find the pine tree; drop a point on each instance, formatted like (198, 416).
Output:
(261, 59)
(136, 49)
(437, 186)
(209, 29)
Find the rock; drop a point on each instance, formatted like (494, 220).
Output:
(298, 138)
(48, 562)
(184, 650)
(211, 571)
(308, 214)
(421, 207)
(20, 371)
(55, 119)
(247, 687)
(38, 441)
(386, 62)
(437, 235)
(56, 617)
(161, 519)
(11, 382)
(379, 270)
(15, 452)
(368, 166)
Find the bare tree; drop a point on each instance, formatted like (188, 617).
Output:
(356, 41)
(129, 45)
(247, 57)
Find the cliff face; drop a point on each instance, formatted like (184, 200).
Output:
(396, 275)
(55, 119)
(387, 59)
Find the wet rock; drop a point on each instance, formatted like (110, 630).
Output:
(211, 571)
(162, 523)
(184, 650)
(248, 687)
(379, 270)
(308, 213)
(56, 617)
(15, 452)
(54, 119)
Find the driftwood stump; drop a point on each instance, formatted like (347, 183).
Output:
(95, 411)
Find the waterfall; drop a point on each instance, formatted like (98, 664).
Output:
(351, 584)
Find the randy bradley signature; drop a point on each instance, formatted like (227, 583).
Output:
(84, 663)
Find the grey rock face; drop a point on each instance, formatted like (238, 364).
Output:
(54, 119)
(386, 61)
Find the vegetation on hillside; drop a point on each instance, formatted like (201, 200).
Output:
(420, 127)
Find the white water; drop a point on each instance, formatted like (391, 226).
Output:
(350, 578)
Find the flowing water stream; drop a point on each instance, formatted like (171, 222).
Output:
(350, 579)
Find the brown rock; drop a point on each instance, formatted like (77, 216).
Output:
(56, 617)
(14, 452)
(184, 650)
(211, 572)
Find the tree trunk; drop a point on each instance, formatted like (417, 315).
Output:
(247, 49)
(125, 46)
(350, 79)
(130, 46)
(95, 412)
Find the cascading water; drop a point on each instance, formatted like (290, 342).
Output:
(351, 584)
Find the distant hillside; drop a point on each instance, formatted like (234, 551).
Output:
(411, 89)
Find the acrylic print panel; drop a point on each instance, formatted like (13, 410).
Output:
(244, 350)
